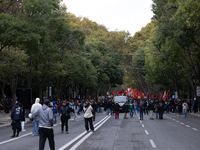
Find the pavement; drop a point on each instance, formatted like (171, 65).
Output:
(5, 119)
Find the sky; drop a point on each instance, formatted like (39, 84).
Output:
(121, 15)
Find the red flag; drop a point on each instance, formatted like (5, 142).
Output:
(164, 95)
(113, 94)
(168, 93)
(148, 95)
(153, 95)
(157, 96)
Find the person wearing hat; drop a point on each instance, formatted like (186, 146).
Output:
(45, 115)
(65, 116)
(16, 116)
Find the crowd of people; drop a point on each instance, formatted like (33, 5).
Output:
(45, 115)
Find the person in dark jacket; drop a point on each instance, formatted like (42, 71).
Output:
(94, 106)
(151, 108)
(126, 107)
(16, 116)
(65, 116)
(141, 108)
(161, 109)
(23, 117)
(116, 108)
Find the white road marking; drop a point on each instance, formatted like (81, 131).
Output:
(142, 125)
(82, 134)
(86, 136)
(140, 121)
(177, 121)
(181, 123)
(173, 119)
(15, 138)
(187, 126)
(152, 143)
(147, 133)
(195, 129)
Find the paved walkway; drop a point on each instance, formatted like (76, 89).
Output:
(5, 119)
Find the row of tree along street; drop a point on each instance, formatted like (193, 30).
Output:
(42, 45)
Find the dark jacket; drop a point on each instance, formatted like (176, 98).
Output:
(116, 107)
(16, 114)
(65, 111)
(151, 106)
(141, 106)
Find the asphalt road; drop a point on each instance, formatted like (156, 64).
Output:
(172, 133)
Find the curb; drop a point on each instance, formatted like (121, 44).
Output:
(4, 125)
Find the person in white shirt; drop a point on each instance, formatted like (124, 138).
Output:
(185, 106)
(88, 116)
(34, 108)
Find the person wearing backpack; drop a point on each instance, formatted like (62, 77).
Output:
(55, 107)
(16, 116)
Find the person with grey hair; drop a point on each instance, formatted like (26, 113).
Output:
(45, 125)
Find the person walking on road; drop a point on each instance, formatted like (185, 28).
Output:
(16, 116)
(116, 108)
(94, 106)
(151, 108)
(126, 107)
(23, 117)
(141, 108)
(76, 110)
(131, 107)
(55, 107)
(185, 106)
(88, 116)
(34, 108)
(65, 116)
(45, 125)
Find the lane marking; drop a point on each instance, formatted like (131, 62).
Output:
(152, 143)
(177, 121)
(82, 134)
(142, 125)
(147, 133)
(86, 136)
(187, 126)
(16, 138)
(195, 129)
(181, 123)
(173, 119)
(140, 121)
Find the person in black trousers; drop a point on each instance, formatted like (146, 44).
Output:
(65, 116)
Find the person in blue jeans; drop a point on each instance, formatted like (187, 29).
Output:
(185, 106)
(54, 111)
(141, 108)
(34, 108)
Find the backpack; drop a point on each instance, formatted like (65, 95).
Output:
(55, 107)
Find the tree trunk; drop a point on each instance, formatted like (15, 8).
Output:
(2, 93)
(13, 86)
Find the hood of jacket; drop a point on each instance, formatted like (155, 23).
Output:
(44, 107)
(37, 100)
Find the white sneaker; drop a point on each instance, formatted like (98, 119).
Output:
(23, 130)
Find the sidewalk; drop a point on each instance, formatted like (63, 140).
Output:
(195, 114)
(5, 119)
